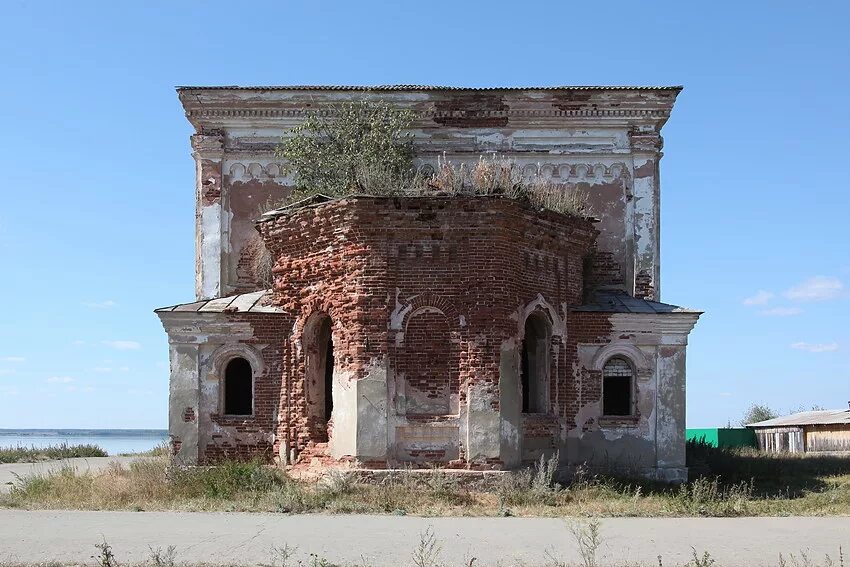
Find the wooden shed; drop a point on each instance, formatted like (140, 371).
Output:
(805, 432)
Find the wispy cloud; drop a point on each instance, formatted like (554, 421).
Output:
(761, 297)
(725, 394)
(123, 345)
(102, 369)
(13, 359)
(108, 304)
(60, 380)
(6, 371)
(818, 288)
(781, 311)
(78, 342)
(815, 347)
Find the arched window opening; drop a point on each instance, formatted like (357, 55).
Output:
(238, 388)
(319, 350)
(329, 371)
(617, 387)
(535, 363)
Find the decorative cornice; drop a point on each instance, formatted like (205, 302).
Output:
(649, 142)
(567, 172)
(429, 88)
(447, 108)
(210, 146)
(677, 324)
(432, 115)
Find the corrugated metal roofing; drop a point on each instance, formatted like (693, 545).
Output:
(615, 301)
(255, 302)
(820, 417)
(312, 200)
(424, 88)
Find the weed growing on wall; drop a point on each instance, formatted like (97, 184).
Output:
(356, 147)
(366, 148)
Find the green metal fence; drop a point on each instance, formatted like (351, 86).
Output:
(723, 436)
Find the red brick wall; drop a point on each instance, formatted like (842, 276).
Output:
(474, 261)
(584, 385)
(428, 362)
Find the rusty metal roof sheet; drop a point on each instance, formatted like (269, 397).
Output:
(386, 88)
(617, 301)
(254, 302)
(819, 417)
(316, 199)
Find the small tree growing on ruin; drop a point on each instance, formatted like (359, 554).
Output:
(359, 147)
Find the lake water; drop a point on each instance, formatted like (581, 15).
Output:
(113, 441)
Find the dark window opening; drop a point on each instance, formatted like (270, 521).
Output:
(525, 378)
(329, 379)
(238, 388)
(617, 388)
(534, 364)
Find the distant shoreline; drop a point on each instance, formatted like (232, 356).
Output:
(83, 432)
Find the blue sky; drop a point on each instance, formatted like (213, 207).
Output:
(96, 221)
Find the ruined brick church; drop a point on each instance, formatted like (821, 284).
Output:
(470, 332)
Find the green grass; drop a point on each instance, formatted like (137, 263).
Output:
(725, 483)
(22, 454)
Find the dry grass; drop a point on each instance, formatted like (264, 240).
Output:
(504, 177)
(816, 487)
(260, 261)
(33, 454)
(493, 176)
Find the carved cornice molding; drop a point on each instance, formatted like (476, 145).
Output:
(431, 114)
(208, 146)
(200, 114)
(646, 141)
(244, 171)
(566, 172)
(675, 326)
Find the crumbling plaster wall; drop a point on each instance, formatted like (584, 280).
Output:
(201, 345)
(651, 442)
(481, 265)
(606, 142)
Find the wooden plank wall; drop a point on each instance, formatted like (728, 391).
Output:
(781, 439)
(828, 438)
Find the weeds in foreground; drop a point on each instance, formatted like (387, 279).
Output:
(588, 539)
(804, 560)
(149, 484)
(281, 556)
(162, 558)
(704, 560)
(105, 556)
(427, 551)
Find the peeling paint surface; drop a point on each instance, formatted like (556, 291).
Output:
(428, 360)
